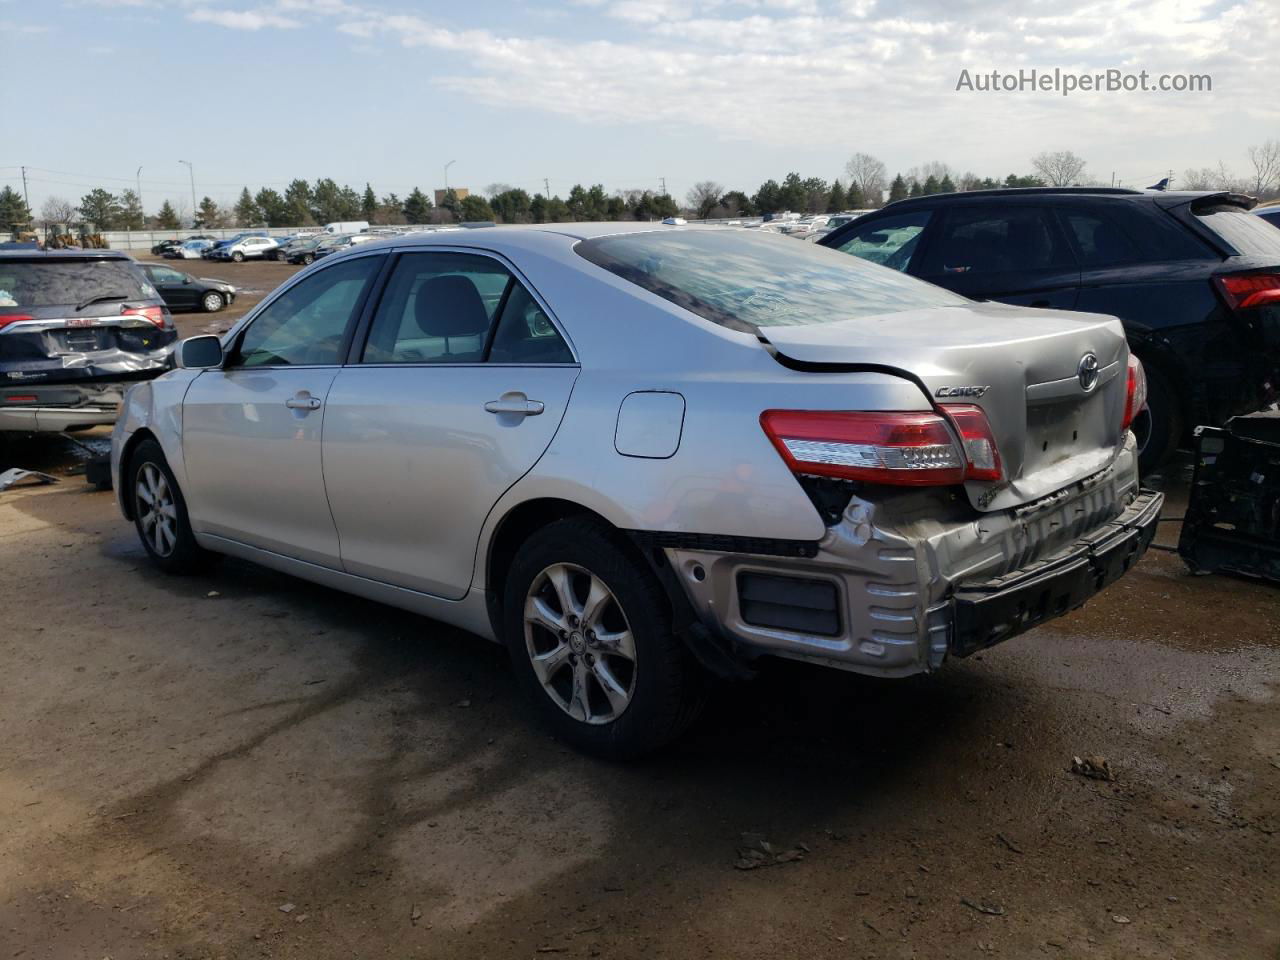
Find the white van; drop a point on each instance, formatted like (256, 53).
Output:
(347, 226)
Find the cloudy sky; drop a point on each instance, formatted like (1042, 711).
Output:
(621, 92)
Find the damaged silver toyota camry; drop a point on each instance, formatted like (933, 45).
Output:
(636, 455)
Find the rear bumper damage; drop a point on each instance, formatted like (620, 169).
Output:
(904, 582)
(53, 408)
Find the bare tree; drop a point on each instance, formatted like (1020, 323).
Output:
(493, 189)
(1266, 166)
(1201, 179)
(1224, 179)
(1059, 168)
(703, 197)
(57, 210)
(868, 175)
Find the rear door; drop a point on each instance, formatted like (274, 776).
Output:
(251, 430)
(457, 392)
(1014, 253)
(176, 288)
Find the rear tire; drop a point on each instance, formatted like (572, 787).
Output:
(160, 512)
(588, 629)
(1158, 429)
(308, 259)
(238, 257)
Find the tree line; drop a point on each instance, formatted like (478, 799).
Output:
(865, 184)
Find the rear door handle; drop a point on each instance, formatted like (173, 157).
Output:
(303, 401)
(515, 403)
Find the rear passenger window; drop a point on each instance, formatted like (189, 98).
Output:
(443, 307)
(990, 239)
(1100, 241)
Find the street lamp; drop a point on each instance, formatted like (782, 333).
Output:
(192, 170)
(144, 212)
(446, 174)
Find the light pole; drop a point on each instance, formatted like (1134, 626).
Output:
(144, 212)
(446, 174)
(192, 170)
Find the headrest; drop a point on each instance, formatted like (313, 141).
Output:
(450, 306)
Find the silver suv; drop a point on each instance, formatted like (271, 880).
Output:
(638, 455)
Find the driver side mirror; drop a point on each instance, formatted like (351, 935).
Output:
(186, 278)
(200, 353)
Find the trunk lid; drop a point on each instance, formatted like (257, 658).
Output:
(1021, 366)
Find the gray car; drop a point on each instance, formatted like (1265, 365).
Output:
(640, 454)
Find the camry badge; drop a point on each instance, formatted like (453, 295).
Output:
(1087, 372)
(974, 391)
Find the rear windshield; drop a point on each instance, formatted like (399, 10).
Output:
(48, 283)
(1248, 235)
(744, 280)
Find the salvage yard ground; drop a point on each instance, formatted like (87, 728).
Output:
(244, 765)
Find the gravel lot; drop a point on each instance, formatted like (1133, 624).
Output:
(244, 765)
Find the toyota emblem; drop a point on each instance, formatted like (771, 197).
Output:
(1087, 372)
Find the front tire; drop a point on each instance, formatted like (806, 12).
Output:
(588, 629)
(160, 512)
(238, 257)
(1158, 429)
(212, 302)
(308, 259)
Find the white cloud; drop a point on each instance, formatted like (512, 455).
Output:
(242, 19)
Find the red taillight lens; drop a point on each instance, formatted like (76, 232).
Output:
(1135, 392)
(1245, 290)
(8, 318)
(154, 314)
(901, 449)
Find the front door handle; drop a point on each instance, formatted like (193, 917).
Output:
(515, 403)
(303, 401)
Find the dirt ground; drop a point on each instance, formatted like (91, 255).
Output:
(243, 765)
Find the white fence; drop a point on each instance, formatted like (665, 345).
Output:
(144, 240)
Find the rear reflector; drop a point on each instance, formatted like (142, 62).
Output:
(901, 449)
(1245, 290)
(8, 318)
(154, 314)
(1135, 398)
(21, 398)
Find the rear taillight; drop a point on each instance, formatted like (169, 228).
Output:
(8, 318)
(1135, 397)
(901, 449)
(154, 314)
(1245, 290)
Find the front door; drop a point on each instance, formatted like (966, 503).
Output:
(1012, 253)
(251, 430)
(176, 288)
(459, 389)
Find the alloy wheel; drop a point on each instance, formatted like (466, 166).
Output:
(213, 302)
(580, 644)
(157, 513)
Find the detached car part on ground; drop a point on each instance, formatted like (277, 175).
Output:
(75, 328)
(635, 455)
(1194, 277)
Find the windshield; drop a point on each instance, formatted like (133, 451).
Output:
(747, 279)
(1248, 234)
(47, 283)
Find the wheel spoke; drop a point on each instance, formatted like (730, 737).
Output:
(615, 692)
(157, 538)
(144, 494)
(579, 704)
(537, 610)
(559, 578)
(620, 644)
(547, 665)
(598, 598)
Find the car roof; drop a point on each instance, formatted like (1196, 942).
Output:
(1119, 194)
(64, 255)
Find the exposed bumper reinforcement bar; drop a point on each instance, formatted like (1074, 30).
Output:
(991, 611)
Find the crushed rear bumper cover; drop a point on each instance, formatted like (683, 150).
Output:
(990, 611)
(51, 408)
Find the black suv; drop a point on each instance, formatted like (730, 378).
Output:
(75, 328)
(1194, 277)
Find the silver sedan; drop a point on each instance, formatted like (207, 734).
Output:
(637, 455)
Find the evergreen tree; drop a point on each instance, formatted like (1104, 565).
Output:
(512, 206)
(538, 209)
(946, 186)
(898, 189)
(836, 200)
(930, 186)
(853, 198)
(450, 202)
(475, 208)
(13, 210)
(369, 203)
(167, 218)
(816, 195)
(916, 190)
(100, 208)
(738, 204)
(793, 195)
(768, 198)
(246, 211)
(616, 208)
(558, 211)
(417, 207)
(208, 216)
(131, 215)
(272, 208)
(297, 197)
